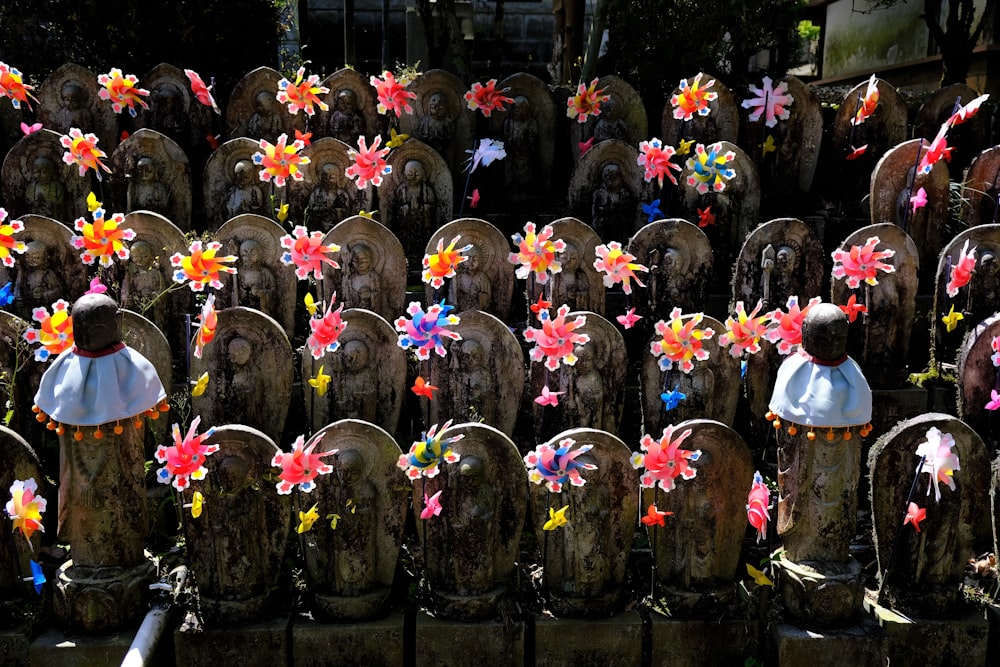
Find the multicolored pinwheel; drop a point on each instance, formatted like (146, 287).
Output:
(185, 459)
(102, 239)
(122, 91)
(300, 467)
(428, 454)
(487, 98)
(586, 103)
(664, 460)
(558, 465)
(280, 161)
(302, 95)
(202, 266)
(443, 263)
(556, 340)
(392, 95)
(54, 334)
(536, 253)
(82, 150)
(680, 342)
(306, 252)
(424, 331)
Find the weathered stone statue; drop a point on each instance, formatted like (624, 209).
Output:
(102, 497)
(363, 284)
(436, 128)
(74, 110)
(244, 194)
(346, 121)
(471, 289)
(482, 282)
(256, 282)
(372, 273)
(573, 282)
(614, 205)
(679, 258)
(37, 282)
(820, 402)
(146, 191)
(415, 213)
(328, 204)
(264, 123)
(520, 136)
(45, 193)
(143, 282)
(151, 172)
(18, 461)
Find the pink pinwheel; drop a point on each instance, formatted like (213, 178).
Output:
(30, 129)
(994, 402)
(207, 323)
(918, 200)
(654, 157)
(428, 454)
(185, 459)
(368, 164)
(487, 151)
(102, 239)
(548, 397)
(586, 103)
(771, 101)
(585, 146)
(122, 91)
(326, 331)
(758, 501)
(432, 506)
(618, 266)
(745, 331)
(302, 95)
(54, 334)
(961, 271)
(202, 92)
(708, 168)
(664, 460)
(25, 507)
(536, 253)
(693, 98)
(995, 346)
(487, 98)
(914, 515)
(785, 329)
(937, 149)
(12, 86)
(680, 342)
(300, 467)
(392, 95)
(202, 266)
(443, 263)
(861, 263)
(852, 308)
(868, 103)
(968, 111)
(556, 341)
(424, 330)
(96, 286)
(557, 465)
(8, 246)
(82, 151)
(307, 253)
(280, 161)
(629, 319)
(938, 460)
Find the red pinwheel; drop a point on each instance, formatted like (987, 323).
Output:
(326, 331)
(185, 459)
(302, 95)
(785, 329)
(368, 164)
(586, 103)
(861, 263)
(556, 340)
(664, 460)
(122, 91)
(745, 331)
(392, 95)
(12, 86)
(82, 151)
(654, 157)
(202, 92)
(487, 98)
(300, 467)
(306, 252)
(208, 321)
(961, 271)
(758, 502)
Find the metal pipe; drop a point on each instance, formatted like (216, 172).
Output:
(161, 609)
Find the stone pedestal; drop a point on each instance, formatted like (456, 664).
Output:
(101, 599)
(263, 644)
(825, 594)
(700, 642)
(56, 649)
(370, 644)
(963, 638)
(862, 645)
(442, 643)
(14, 648)
(572, 642)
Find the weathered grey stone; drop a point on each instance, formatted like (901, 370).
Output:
(679, 258)
(143, 336)
(378, 642)
(588, 643)
(68, 98)
(254, 112)
(622, 117)
(19, 462)
(864, 645)
(700, 643)
(173, 109)
(527, 129)
(261, 644)
(721, 124)
(982, 185)
(485, 281)
(939, 642)
(977, 379)
(484, 642)
(232, 186)
(150, 172)
(19, 386)
(326, 196)
(607, 188)
(34, 179)
(38, 282)
(352, 111)
(579, 285)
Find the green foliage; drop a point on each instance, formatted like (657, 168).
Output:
(807, 30)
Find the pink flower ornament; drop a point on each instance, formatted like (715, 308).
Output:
(300, 467)
(743, 333)
(302, 95)
(536, 253)
(326, 331)
(368, 164)
(432, 506)
(618, 266)
(556, 340)
(392, 95)
(548, 397)
(629, 319)
(769, 101)
(785, 328)
(664, 461)
(939, 460)
(680, 342)
(994, 402)
(306, 252)
(557, 465)
(280, 161)
(654, 157)
(185, 459)
(487, 98)
(862, 263)
(961, 271)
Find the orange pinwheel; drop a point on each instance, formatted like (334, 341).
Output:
(423, 388)
(680, 341)
(8, 245)
(280, 161)
(302, 94)
(586, 102)
(442, 264)
(102, 239)
(202, 266)
(868, 104)
(122, 91)
(13, 86)
(206, 326)
(25, 507)
(54, 333)
(655, 517)
(83, 151)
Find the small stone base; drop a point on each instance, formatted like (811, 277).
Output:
(370, 644)
(862, 645)
(466, 607)
(821, 594)
(442, 643)
(599, 606)
(57, 649)
(14, 648)
(962, 638)
(563, 642)
(101, 599)
(262, 644)
(701, 643)
(350, 609)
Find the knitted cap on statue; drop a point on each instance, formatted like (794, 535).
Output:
(100, 380)
(820, 386)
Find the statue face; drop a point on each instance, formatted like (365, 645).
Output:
(437, 106)
(264, 102)
(571, 258)
(250, 253)
(413, 173)
(239, 351)
(146, 170)
(612, 177)
(361, 261)
(43, 170)
(785, 259)
(347, 101)
(72, 96)
(142, 254)
(34, 254)
(168, 100)
(522, 108)
(355, 356)
(584, 360)
(328, 176)
(244, 173)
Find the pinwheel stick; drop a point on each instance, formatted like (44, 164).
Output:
(901, 531)
(909, 184)
(468, 177)
(652, 528)
(187, 356)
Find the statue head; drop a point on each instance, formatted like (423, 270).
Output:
(584, 359)
(263, 102)
(328, 174)
(43, 169)
(347, 100)
(35, 254)
(824, 332)
(250, 253)
(233, 474)
(471, 468)
(413, 172)
(473, 354)
(243, 173)
(571, 258)
(611, 109)
(72, 95)
(438, 106)
(142, 254)
(239, 351)
(522, 108)
(785, 259)
(611, 177)
(351, 463)
(355, 355)
(361, 258)
(96, 322)
(145, 169)
(167, 99)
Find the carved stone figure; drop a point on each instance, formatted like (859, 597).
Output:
(151, 172)
(46, 194)
(622, 117)
(614, 205)
(169, 116)
(520, 135)
(983, 189)
(146, 191)
(610, 124)
(482, 282)
(143, 282)
(74, 110)
(346, 121)
(19, 462)
(328, 204)
(363, 284)
(721, 124)
(578, 284)
(256, 282)
(254, 112)
(264, 123)
(415, 213)
(442, 121)
(573, 281)
(977, 379)
(37, 282)
(679, 258)
(245, 194)
(471, 288)
(606, 188)
(436, 128)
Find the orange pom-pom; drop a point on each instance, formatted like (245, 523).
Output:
(118, 428)
(847, 434)
(51, 425)
(40, 417)
(810, 435)
(776, 423)
(164, 406)
(98, 434)
(829, 434)
(35, 409)
(60, 429)
(137, 423)
(78, 435)
(770, 416)
(792, 430)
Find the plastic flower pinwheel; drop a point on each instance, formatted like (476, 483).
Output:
(442, 264)
(122, 91)
(708, 170)
(202, 266)
(102, 239)
(300, 467)
(487, 98)
(785, 329)
(861, 263)
(25, 507)
(536, 253)
(12, 86)
(693, 98)
(302, 94)
(432, 506)
(745, 331)
(618, 266)
(995, 346)
(368, 164)
(586, 103)
(654, 157)
(428, 454)
(185, 459)
(307, 253)
(664, 460)
(392, 95)
(556, 341)
(54, 333)
(207, 323)
(557, 518)
(8, 246)
(557, 465)
(487, 150)
(937, 149)
(424, 330)
(770, 101)
(938, 460)
(326, 331)
(868, 104)
(852, 308)
(758, 501)
(680, 342)
(82, 151)
(280, 161)
(202, 92)
(961, 271)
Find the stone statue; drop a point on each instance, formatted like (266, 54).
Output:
(437, 128)
(614, 205)
(146, 191)
(610, 124)
(245, 195)
(241, 388)
(74, 110)
(18, 461)
(45, 193)
(471, 289)
(328, 204)
(415, 216)
(473, 391)
(571, 285)
(362, 284)
(346, 121)
(356, 377)
(473, 525)
(37, 284)
(265, 123)
(255, 282)
(520, 136)
(169, 116)
(143, 282)
(355, 547)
